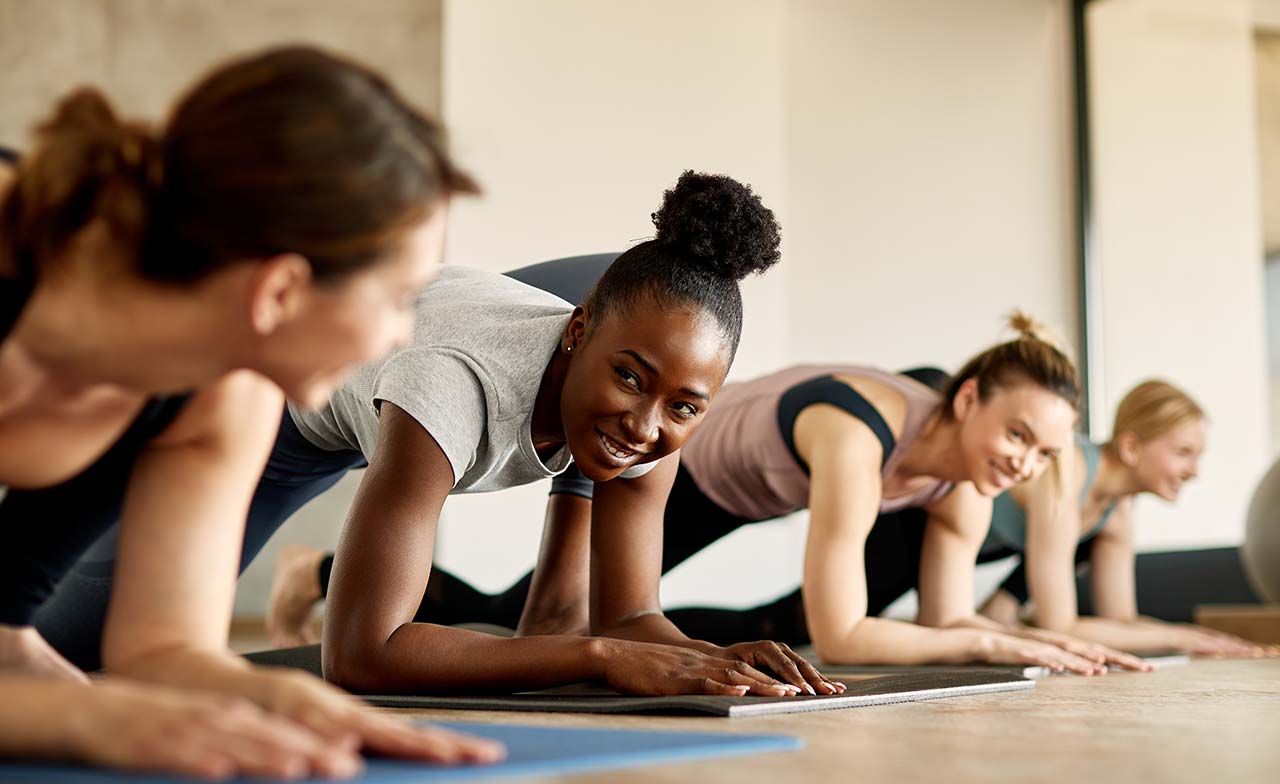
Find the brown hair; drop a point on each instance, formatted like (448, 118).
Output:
(1030, 357)
(1152, 409)
(292, 150)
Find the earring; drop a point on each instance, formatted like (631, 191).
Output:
(568, 349)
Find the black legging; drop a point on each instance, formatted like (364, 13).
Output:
(692, 523)
(1169, 584)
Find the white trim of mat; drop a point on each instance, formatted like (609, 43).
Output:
(867, 700)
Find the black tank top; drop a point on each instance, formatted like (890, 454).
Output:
(14, 291)
(47, 529)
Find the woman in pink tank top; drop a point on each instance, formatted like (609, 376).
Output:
(898, 480)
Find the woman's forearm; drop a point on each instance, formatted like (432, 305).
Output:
(37, 715)
(885, 641)
(1136, 636)
(656, 628)
(423, 657)
(192, 667)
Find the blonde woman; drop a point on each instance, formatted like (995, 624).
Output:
(1087, 516)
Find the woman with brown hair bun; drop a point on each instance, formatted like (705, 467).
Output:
(158, 291)
(898, 481)
(1087, 517)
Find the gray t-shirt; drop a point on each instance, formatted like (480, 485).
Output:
(470, 377)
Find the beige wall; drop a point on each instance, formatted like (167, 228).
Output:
(928, 164)
(1179, 238)
(917, 153)
(576, 116)
(143, 52)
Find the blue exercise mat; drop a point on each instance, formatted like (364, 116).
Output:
(531, 751)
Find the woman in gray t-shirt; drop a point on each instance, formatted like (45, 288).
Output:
(503, 385)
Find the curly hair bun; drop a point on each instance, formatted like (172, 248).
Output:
(718, 223)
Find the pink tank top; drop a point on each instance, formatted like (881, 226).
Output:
(739, 459)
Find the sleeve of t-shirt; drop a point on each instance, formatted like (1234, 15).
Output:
(441, 390)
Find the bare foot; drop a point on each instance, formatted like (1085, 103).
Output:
(295, 590)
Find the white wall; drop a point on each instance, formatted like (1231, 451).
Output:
(575, 117)
(1179, 240)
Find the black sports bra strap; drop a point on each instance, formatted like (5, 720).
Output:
(829, 390)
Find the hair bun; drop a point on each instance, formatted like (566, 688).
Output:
(718, 223)
(1026, 326)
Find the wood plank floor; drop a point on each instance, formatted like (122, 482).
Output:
(1207, 722)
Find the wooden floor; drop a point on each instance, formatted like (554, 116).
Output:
(1207, 722)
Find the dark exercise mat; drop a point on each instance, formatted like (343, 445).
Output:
(531, 751)
(839, 671)
(864, 690)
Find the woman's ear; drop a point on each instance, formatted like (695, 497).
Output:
(575, 332)
(966, 399)
(278, 291)
(1127, 447)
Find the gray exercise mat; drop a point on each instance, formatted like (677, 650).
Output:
(1160, 659)
(864, 690)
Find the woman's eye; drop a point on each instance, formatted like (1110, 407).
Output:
(628, 378)
(1016, 435)
(686, 410)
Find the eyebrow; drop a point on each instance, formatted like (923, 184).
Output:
(1030, 432)
(644, 363)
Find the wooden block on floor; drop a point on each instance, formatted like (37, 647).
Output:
(1257, 622)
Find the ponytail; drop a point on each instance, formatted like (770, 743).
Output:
(1030, 357)
(86, 165)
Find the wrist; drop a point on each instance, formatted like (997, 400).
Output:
(978, 644)
(74, 714)
(599, 653)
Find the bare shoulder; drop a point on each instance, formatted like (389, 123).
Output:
(830, 430)
(238, 405)
(890, 403)
(962, 509)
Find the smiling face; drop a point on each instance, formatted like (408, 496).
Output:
(1013, 436)
(639, 382)
(1163, 463)
(355, 320)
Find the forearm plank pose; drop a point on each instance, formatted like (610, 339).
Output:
(512, 385)
(158, 291)
(1155, 447)
(898, 480)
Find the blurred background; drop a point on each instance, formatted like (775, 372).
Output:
(921, 155)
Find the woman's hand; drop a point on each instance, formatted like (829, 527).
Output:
(1203, 641)
(785, 663)
(341, 719)
(1099, 654)
(652, 668)
(149, 728)
(1001, 648)
(23, 649)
